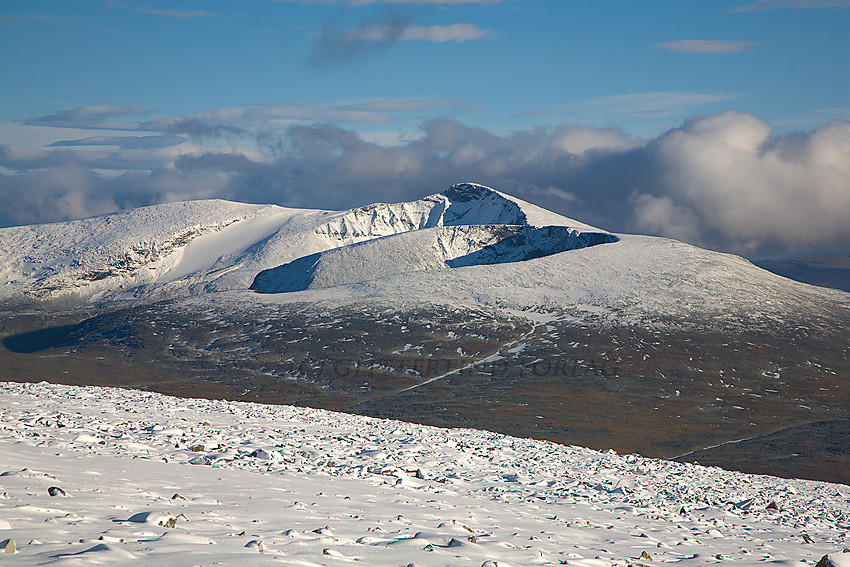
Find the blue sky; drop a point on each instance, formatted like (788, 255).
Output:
(109, 104)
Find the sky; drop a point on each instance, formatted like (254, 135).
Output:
(723, 123)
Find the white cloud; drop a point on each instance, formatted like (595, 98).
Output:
(392, 32)
(457, 33)
(707, 46)
(580, 140)
(661, 216)
(751, 191)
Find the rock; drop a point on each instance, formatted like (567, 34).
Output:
(645, 555)
(490, 563)
(8, 546)
(55, 491)
(825, 561)
(178, 497)
(454, 543)
(255, 544)
(197, 448)
(772, 506)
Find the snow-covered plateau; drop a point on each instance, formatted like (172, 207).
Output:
(104, 476)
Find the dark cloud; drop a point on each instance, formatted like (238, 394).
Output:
(125, 142)
(721, 181)
(334, 45)
(100, 116)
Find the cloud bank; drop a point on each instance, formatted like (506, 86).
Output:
(722, 181)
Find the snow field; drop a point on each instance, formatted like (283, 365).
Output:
(158, 480)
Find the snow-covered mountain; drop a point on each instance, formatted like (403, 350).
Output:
(219, 245)
(468, 307)
(468, 245)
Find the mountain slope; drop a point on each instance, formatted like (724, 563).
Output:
(468, 307)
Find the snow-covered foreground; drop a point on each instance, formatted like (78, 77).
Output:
(149, 479)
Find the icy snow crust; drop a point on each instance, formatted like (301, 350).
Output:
(146, 479)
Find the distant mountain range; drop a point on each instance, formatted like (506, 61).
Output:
(825, 271)
(464, 308)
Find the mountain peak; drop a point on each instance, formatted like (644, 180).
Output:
(468, 192)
